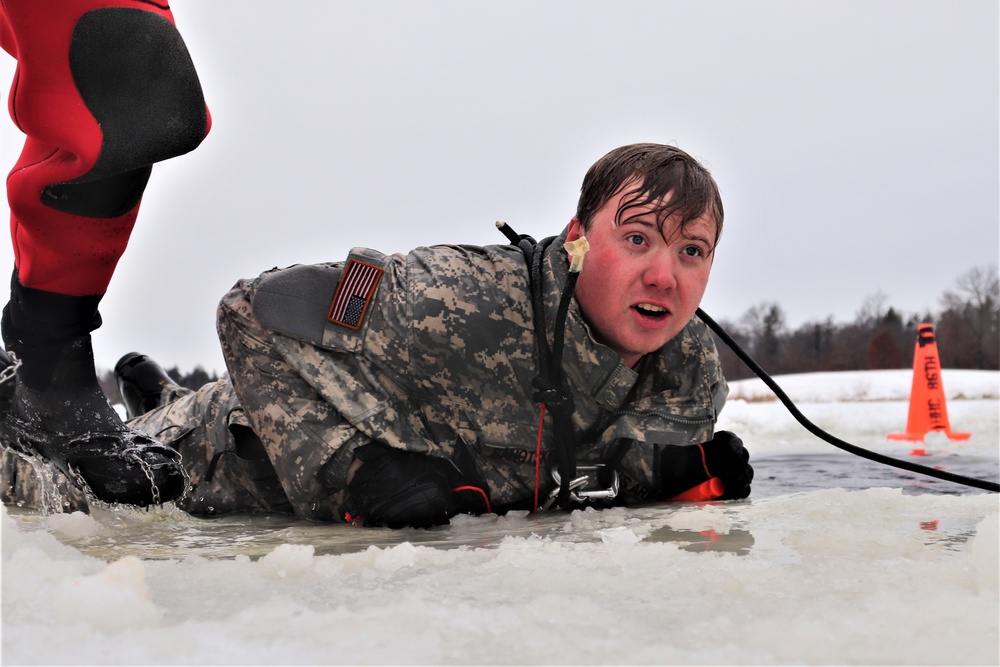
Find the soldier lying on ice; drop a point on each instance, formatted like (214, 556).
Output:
(400, 390)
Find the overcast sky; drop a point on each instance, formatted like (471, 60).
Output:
(855, 144)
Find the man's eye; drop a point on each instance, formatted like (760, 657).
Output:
(635, 239)
(693, 251)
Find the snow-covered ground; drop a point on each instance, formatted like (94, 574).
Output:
(832, 560)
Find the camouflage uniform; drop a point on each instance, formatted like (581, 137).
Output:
(29, 482)
(441, 363)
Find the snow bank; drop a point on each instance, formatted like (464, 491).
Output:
(885, 385)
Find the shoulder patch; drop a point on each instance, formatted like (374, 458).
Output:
(354, 293)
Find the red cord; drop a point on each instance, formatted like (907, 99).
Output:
(704, 461)
(538, 457)
(486, 499)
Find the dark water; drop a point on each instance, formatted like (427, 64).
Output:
(777, 474)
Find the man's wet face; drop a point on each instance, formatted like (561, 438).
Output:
(638, 287)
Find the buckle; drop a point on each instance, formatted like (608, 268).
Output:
(584, 488)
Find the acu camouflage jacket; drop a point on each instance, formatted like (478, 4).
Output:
(442, 360)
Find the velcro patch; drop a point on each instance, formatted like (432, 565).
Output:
(354, 293)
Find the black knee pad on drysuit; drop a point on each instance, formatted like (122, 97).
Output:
(101, 94)
(133, 72)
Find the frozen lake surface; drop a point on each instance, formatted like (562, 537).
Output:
(833, 559)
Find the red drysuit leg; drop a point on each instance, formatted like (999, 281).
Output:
(103, 89)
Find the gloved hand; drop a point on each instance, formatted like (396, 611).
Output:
(683, 467)
(397, 489)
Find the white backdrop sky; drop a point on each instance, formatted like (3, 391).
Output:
(855, 143)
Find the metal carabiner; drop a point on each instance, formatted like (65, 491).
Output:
(585, 488)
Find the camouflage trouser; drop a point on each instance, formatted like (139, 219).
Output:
(264, 401)
(298, 429)
(202, 426)
(31, 483)
(207, 427)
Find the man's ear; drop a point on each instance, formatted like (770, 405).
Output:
(575, 230)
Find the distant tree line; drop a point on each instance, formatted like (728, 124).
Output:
(967, 329)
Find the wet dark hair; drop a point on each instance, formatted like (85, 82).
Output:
(658, 171)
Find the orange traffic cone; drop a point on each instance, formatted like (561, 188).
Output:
(928, 411)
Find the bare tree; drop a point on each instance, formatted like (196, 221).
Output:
(969, 329)
(873, 309)
(765, 327)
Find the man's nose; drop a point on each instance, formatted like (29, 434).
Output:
(659, 272)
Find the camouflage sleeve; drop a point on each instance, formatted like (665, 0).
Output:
(336, 355)
(678, 403)
(266, 328)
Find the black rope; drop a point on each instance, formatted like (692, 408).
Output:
(836, 442)
(550, 385)
(555, 394)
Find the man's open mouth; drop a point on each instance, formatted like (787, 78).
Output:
(649, 310)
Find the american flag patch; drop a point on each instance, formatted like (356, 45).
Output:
(354, 292)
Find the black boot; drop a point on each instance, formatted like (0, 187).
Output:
(7, 382)
(141, 382)
(59, 412)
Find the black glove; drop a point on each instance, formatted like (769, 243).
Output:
(684, 467)
(397, 489)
